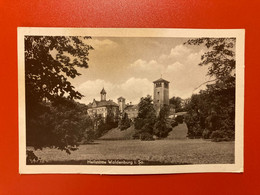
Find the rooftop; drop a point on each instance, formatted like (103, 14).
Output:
(102, 103)
(103, 91)
(161, 80)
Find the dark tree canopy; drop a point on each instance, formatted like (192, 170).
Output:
(146, 118)
(162, 126)
(49, 62)
(212, 111)
(220, 57)
(176, 101)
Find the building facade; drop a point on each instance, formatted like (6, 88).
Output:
(102, 107)
(131, 111)
(161, 94)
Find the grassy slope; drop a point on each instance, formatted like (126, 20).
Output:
(117, 134)
(179, 132)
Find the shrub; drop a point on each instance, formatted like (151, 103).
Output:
(146, 136)
(31, 158)
(125, 122)
(174, 123)
(206, 134)
(179, 119)
(221, 135)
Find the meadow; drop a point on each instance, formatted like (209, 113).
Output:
(188, 151)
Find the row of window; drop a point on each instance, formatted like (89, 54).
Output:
(166, 85)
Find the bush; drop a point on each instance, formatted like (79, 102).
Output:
(179, 119)
(206, 134)
(125, 122)
(31, 158)
(220, 135)
(89, 136)
(174, 123)
(146, 136)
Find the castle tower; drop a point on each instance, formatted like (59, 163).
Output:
(103, 94)
(121, 103)
(161, 94)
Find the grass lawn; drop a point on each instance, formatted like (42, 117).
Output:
(188, 151)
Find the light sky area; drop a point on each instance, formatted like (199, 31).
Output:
(128, 66)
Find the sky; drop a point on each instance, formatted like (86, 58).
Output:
(127, 67)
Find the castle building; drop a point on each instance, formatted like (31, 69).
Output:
(102, 107)
(161, 94)
(131, 111)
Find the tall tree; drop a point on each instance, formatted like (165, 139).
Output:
(176, 101)
(146, 117)
(49, 62)
(214, 107)
(162, 127)
(220, 56)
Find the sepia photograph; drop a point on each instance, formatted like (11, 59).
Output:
(130, 101)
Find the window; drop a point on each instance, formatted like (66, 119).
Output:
(158, 84)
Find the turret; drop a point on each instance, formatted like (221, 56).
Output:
(121, 103)
(103, 94)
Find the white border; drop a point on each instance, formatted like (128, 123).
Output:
(238, 167)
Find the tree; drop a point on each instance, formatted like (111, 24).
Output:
(146, 117)
(49, 62)
(162, 126)
(220, 56)
(176, 101)
(213, 109)
(61, 125)
(53, 119)
(125, 122)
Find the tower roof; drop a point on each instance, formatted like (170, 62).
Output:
(103, 91)
(121, 98)
(161, 80)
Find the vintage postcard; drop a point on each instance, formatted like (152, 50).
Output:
(130, 101)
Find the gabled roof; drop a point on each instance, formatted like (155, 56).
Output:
(161, 80)
(103, 91)
(102, 103)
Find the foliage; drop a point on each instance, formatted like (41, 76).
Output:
(125, 122)
(105, 124)
(145, 136)
(162, 127)
(146, 117)
(173, 123)
(212, 111)
(31, 158)
(49, 61)
(61, 125)
(89, 136)
(179, 119)
(53, 119)
(177, 102)
(220, 57)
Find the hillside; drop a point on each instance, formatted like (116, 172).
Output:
(178, 132)
(117, 134)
